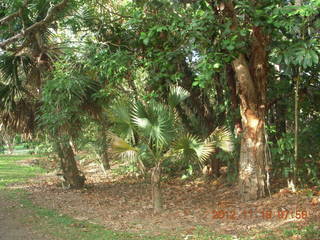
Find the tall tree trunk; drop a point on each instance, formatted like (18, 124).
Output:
(156, 188)
(71, 173)
(297, 163)
(251, 81)
(9, 140)
(253, 165)
(103, 152)
(232, 85)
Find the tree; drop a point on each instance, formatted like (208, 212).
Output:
(161, 138)
(67, 96)
(7, 137)
(27, 58)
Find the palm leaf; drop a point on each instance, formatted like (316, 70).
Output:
(221, 137)
(119, 114)
(9, 68)
(191, 147)
(121, 148)
(154, 121)
(177, 95)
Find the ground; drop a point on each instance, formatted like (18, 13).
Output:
(11, 226)
(124, 204)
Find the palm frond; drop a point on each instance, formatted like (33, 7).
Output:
(9, 68)
(121, 148)
(154, 121)
(221, 137)
(22, 118)
(177, 95)
(119, 114)
(191, 147)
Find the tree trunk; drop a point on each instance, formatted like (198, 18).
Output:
(156, 188)
(73, 146)
(215, 165)
(9, 141)
(103, 152)
(251, 82)
(253, 165)
(71, 174)
(10, 146)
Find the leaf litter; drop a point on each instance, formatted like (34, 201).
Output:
(123, 203)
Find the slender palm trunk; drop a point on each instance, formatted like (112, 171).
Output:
(215, 166)
(103, 145)
(156, 188)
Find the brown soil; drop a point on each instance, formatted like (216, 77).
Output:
(125, 204)
(11, 225)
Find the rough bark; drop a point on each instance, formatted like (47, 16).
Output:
(8, 138)
(71, 173)
(156, 188)
(251, 80)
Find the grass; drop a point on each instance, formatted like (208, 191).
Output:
(64, 227)
(10, 172)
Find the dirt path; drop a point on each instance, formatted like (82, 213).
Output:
(11, 227)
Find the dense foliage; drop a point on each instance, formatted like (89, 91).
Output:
(160, 76)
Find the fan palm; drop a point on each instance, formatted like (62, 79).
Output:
(161, 138)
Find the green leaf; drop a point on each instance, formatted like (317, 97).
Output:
(230, 47)
(177, 95)
(146, 41)
(191, 147)
(216, 65)
(155, 121)
(221, 137)
(314, 57)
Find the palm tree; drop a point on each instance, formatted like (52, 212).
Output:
(23, 66)
(160, 137)
(23, 62)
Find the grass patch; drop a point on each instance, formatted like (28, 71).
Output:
(10, 172)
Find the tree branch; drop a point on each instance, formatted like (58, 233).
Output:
(50, 17)
(13, 15)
